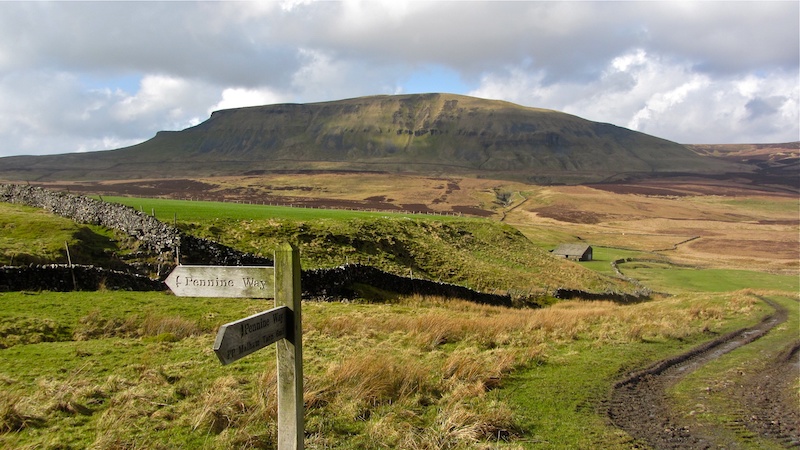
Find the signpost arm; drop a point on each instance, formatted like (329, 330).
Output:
(290, 350)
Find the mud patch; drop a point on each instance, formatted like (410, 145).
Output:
(747, 248)
(640, 406)
(563, 214)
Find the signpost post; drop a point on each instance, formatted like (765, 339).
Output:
(282, 325)
(290, 350)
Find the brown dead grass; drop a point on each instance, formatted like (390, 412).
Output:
(461, 351)
(171, 328)
(702, 230)
(655, 215)
(15, 413)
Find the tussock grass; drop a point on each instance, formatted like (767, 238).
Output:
(220, 406)
(421, 372)
(30, 330)
(96, 326)
(14, 416)
(373, 378)
(169, 328)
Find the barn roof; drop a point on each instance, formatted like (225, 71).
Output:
(571, 249)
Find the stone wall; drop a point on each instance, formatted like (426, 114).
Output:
(160, 239)
(340, 282)
(168, 243)
(317, 284)
(64, 278)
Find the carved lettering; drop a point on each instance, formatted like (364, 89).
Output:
(203, 282)
(247, 346)
(252, 282)
(250, 327)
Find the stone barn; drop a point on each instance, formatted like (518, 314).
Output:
(575, 252)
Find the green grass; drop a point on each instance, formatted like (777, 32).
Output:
(668, 278)
(604, 256)
(712, 392)
(33, 236)
(110, 343)
(477, 253)
(170, 211)
(421, 373)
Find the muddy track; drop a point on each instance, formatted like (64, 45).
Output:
(639, 404)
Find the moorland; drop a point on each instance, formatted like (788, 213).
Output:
(717, 253)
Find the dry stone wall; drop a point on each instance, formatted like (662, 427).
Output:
(339, 282)
(64, 278)
(168, 242)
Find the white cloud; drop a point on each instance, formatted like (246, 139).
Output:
(687, 71)
(659, 96)
(241, 97)
(157, 93)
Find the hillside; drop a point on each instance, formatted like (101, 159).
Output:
(480, 254)
(427, 133)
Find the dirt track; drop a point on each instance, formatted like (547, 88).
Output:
(639, 404)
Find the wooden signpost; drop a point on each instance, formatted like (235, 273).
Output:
(281, 325)
(238, 339)
(222, 281)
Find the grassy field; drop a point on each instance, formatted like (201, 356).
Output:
(682, 279)
(135, 370)
(477, 253)
(111, 370)
(170, 211)
(32, 236)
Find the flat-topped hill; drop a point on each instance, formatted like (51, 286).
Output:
(421, 133)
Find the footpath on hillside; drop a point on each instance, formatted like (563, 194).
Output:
(640, 405)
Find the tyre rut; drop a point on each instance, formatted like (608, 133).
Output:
(639, 403)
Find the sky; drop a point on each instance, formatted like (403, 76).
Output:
(86, 76)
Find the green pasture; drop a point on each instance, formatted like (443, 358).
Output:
(604, 256)
(33, 236)
(135, 370)
(668, 278)
(169, 211)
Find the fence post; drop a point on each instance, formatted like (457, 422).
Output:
(71, 269)
(290, 350)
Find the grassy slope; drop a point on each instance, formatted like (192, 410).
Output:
(134, 369)
(480, 254)
(422, 134)
(32, 236)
